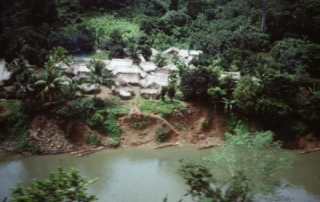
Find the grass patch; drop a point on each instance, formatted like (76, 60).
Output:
(108, 23)
(101, 55)
(164, 109)
(145, 132)
(180, 126)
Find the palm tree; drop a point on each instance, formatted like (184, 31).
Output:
(98, 75)
(50, 84)
(59, 55)
(18, 65)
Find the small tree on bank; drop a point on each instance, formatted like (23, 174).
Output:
(63, 186)
(249, 162)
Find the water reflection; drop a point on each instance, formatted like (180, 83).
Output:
(144, 174)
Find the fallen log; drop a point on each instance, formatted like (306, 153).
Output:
(166, 145)
(309, 151)
(90, 152)
(86, 150)
(207, 147)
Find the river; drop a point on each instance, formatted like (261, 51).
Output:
(144, 174)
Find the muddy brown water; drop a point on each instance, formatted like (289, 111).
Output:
(145, 174)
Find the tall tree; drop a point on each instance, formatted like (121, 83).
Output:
(50, 84)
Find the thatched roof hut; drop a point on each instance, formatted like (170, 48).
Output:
(148, 66)
(162, 80)
(151, 92)
(130, 74)
(115, 63)
(170, 67)
(123, 89)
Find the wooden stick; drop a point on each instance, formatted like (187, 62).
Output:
(81, 151)
(90, 152)
(313, 150)
(166, 145)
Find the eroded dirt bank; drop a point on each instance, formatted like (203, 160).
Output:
(138, 129)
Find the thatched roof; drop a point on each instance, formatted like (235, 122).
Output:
(115, 63)
(234, 75)
(133, 79)
(183, 53)
(88, 87)
(171, 50)
(154, 52)
(152, 89)
(160, 80)
(148, 66)
(4, 73)
(162, 72)
(130, 69)
(170, 67)
(195, 53)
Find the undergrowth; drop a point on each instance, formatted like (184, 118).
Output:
(108, 23)
(163, 108)
(92, 139)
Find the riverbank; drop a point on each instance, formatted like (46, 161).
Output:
(139, 129)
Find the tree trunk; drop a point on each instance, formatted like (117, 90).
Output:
(263, 23)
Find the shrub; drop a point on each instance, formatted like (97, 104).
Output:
(98, 102)
(15, 122)
(114, 142)
(110, 126)
(92, 139)
(162, 135)
(95, 120)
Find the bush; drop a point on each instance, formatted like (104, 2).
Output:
(15, 122)
(114, 142)
(110, 126)
(117, 52)
(162, 135)
(98, 102)
(95, 120)
(92, 139)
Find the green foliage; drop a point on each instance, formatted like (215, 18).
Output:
(15, 122)
(162, 135)
(76, 38)
(180, 126)
(195, 83)
(164, 90)
(179, 96)
(64, 185)
(98, 75)
(114, 142)
(50, 85)
(95, 120)
(92, 139)
(247, 163)
(126, 28)
(138, 122)
(171, 91)
(78, 108)
(110, 126)
(162, 108)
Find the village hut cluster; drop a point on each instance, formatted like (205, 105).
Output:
(147, 75)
